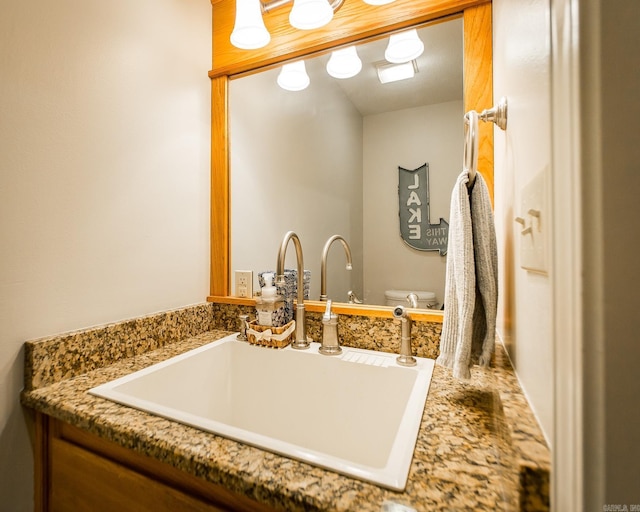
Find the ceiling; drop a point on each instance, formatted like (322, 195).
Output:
(439, 78)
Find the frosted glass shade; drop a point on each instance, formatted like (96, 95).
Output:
(310, 14)
(293, 76)
(344, 63)
(249, 32)
(404, 47)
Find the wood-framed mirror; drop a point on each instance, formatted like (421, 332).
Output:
(354, 21)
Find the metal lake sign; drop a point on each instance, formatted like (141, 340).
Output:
(413, 202)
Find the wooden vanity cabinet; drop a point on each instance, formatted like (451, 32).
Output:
(77, 471)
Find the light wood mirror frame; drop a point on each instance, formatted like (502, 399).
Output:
(354, 21)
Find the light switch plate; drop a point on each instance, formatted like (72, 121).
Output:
(534, 235)
(244, 283)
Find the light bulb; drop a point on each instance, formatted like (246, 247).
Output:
(344, 63)
(403, 47)
(249, 32)
(293, 76)
(310, 14)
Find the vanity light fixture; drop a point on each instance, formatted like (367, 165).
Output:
(250, 33)
(344, 63)
(393, 72)
(293, 76)
(404, 47)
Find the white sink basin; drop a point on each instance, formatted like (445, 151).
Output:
(357, 413)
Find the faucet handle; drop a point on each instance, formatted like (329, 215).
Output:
(243, 328)
(327, 312)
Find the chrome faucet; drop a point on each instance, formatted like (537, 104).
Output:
(412, 298)
(353, 298)
(300, 339)
(405, 358)
(323, 267)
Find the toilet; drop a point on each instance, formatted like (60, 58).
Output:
(426, 300)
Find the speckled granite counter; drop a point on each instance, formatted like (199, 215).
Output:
(479, 447)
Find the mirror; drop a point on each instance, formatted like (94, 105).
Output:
(325, 160)
(353, 22)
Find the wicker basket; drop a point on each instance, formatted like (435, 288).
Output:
(272, 337)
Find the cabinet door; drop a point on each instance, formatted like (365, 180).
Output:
(77, 471)
(81, 480)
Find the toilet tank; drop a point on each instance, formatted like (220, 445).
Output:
(426, 300)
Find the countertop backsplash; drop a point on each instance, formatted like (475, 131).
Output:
(55, 358)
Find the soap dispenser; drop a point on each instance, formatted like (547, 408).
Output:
(270, 308)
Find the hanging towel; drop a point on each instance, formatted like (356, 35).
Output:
(471, 286)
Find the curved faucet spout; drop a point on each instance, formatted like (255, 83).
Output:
(412, 298)
(323, 267)
(300, 340)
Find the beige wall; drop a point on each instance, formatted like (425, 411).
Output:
(104, 158)
(407, 138)
(296, 160)
(521, 73)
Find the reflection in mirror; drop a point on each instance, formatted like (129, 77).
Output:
(324, 161)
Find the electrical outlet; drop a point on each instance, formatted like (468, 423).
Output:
(244, 283)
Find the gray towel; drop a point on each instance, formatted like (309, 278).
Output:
(471, 287)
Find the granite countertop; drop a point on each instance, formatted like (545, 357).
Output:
(468, 455)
